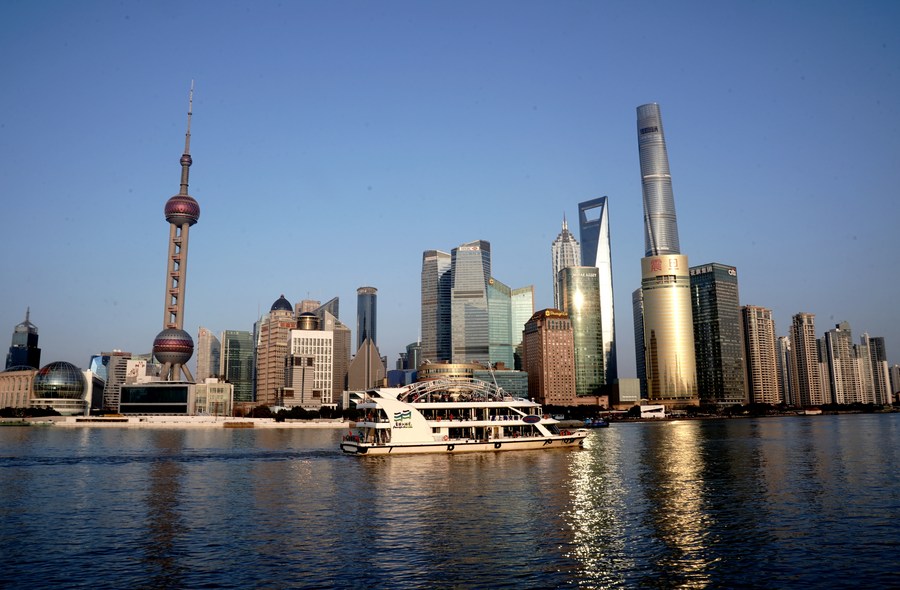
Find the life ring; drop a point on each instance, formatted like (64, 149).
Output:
(450, 447)
(496, 445)
(446, 438)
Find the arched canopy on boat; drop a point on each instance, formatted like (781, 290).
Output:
(454, 390)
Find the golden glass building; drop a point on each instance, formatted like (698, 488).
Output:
(668, 346)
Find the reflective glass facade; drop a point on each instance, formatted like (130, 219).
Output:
(668, 337)
(237, 363)
(366, 315)
(660, 226)
(668, 330)
(580, 294)
(157, 398)
(718, 341)
(593, 217)
(470, 273)
(435, 306)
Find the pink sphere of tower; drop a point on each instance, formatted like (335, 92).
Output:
(182, 209)
(173, 346)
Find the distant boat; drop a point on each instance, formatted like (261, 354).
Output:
(596, 423)
(812, 412)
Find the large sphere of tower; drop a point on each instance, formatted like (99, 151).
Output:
(173, 346)
(182, 209)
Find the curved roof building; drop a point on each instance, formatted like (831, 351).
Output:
(61, 386)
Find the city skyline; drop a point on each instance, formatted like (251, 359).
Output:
(490, 139)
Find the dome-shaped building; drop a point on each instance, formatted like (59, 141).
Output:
(282, 304)
(61, 386)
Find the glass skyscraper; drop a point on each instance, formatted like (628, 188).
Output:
(435, 306)
(580, 294)
(509, 311)
(665, 284)
(366, 315)
(470, 273)
(468, 316)
(237, 363)
(593, 218)
(718, 344)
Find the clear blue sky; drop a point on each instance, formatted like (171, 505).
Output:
(333, 142)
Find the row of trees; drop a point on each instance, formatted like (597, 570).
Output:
(27, 412)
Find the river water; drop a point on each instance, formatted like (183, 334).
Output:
(799, 502)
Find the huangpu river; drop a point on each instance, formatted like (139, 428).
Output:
(794, 502)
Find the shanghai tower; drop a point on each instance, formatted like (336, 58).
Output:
(668, 346)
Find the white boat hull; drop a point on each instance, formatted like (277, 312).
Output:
(575, 439)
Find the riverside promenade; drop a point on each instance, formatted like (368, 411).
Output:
(178, 422)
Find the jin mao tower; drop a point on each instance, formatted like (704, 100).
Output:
(665, 281)
(173, 347)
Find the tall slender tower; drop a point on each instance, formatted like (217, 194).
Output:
(173, 346)
(565, 252)
(595, 251)
(366, 315)
(665, 282)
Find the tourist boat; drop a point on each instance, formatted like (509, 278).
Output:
(453, 416)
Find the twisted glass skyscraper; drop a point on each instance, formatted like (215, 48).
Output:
(668, 346)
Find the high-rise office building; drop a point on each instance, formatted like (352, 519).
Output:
(718, 344)
(783, 360)
(521, 303)
(24, 351)
(760, 352)
(470, 272)
(881, 379)
(580, 294)
(640, 357)
(310, 365)
(508, 311)
(173, 347)
(209, 351)
(236, 363)
(468, 316)
(436, 306)
(341, 339)
(668, 327)
(593, 218)
(272, 347)
(366, 315)
(549, 358)
(564, 252)
(844, 384)
(806, 380)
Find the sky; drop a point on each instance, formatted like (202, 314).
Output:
(334, 142)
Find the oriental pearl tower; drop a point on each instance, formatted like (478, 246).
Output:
(173, 347)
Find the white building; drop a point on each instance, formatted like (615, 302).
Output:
(308, 376)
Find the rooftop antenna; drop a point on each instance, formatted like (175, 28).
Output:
(186, 160)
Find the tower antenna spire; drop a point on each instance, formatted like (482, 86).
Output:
(187, 136)
(186, 160)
